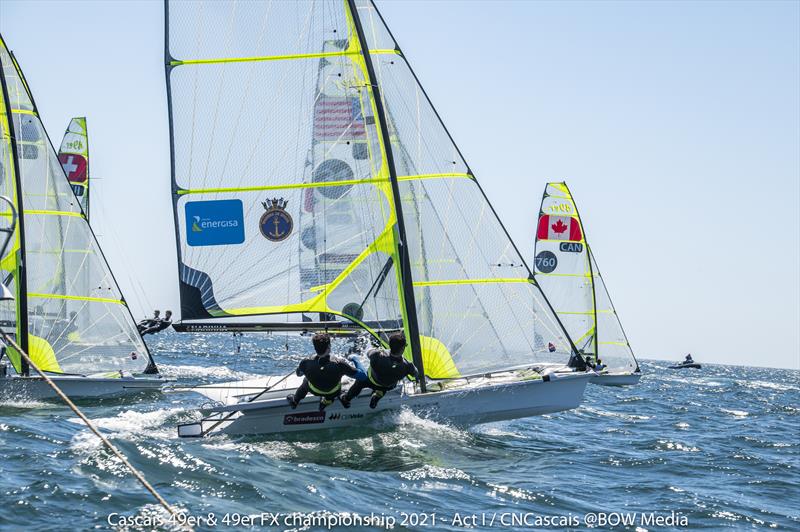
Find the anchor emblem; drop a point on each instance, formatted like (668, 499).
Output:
(276, 224)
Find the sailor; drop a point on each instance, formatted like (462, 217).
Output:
(146, 323)
(156, 324)
(323, 374)
(166, 322)
(385, 371)
(598, 365)
(689, 359)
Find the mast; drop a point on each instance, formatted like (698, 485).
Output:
(88, 185)
(402, 246)
(21, 280)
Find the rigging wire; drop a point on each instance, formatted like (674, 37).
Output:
(111, 447)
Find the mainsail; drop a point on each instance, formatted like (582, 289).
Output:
(311, 175)
(74, 158)
(69, 315)
(567, 272)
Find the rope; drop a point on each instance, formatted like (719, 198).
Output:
(135, 472)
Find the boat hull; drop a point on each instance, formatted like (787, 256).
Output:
(76, 387)
(616, 379)
(484, 403)
(686, 366)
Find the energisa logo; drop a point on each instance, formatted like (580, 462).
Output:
(214, 223)
(304, 418)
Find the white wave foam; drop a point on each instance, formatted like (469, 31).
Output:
(217, 372)
(677, 446)
(736, 413)
(436, 473)
(769, 385)
(130, 425)
(429, 426)
(25, 404)
(609, 413)
(497, 432)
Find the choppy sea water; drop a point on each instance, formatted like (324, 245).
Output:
(718, 447)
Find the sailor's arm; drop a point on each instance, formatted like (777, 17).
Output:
(412, 372)
(354, 369)
(300, 371)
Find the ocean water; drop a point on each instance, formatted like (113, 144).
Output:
(714, 448)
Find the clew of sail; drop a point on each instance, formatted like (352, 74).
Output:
(566, 270)
(74, 158)
(70, 315)
(312, 175)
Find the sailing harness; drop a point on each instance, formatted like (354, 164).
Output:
(317, 391)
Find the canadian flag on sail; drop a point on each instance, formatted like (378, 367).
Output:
(558, 228)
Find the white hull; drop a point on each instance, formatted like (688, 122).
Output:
(484, 400)
(625, 378)
(76, 387)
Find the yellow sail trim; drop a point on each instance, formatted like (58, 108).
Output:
(77, 298)
(437, 360)
(433, 176)
(587, 313)
(55, 213)
(585, 336)
(286, 186)
(23, 112)
(314, 55)
(384, 243)
(472, 281)
(563, 188)
(623, 344)
(320, 184)
(41, 354)
(564, 275)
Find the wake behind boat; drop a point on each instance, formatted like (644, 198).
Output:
(63, 306)
(324, 189)
(567, 271)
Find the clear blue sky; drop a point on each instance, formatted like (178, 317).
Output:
(676, 124)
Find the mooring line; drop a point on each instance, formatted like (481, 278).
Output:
(111, 447)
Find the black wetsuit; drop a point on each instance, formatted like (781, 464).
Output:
(155, 326)
(385, 371)
(146, 324)
(323, 376)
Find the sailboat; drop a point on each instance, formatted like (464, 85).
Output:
(316, 188)
(73, 154)
(566, 269)
(67, 313)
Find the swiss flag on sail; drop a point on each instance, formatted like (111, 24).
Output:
(74, 166)
(558, 228)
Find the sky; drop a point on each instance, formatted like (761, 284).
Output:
(675, 124)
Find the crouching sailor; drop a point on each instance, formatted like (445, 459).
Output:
(385, 371)
(323, 374)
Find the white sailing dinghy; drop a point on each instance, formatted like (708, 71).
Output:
(565, 268)
(313, 180)
(73, 154)
(68, 313)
